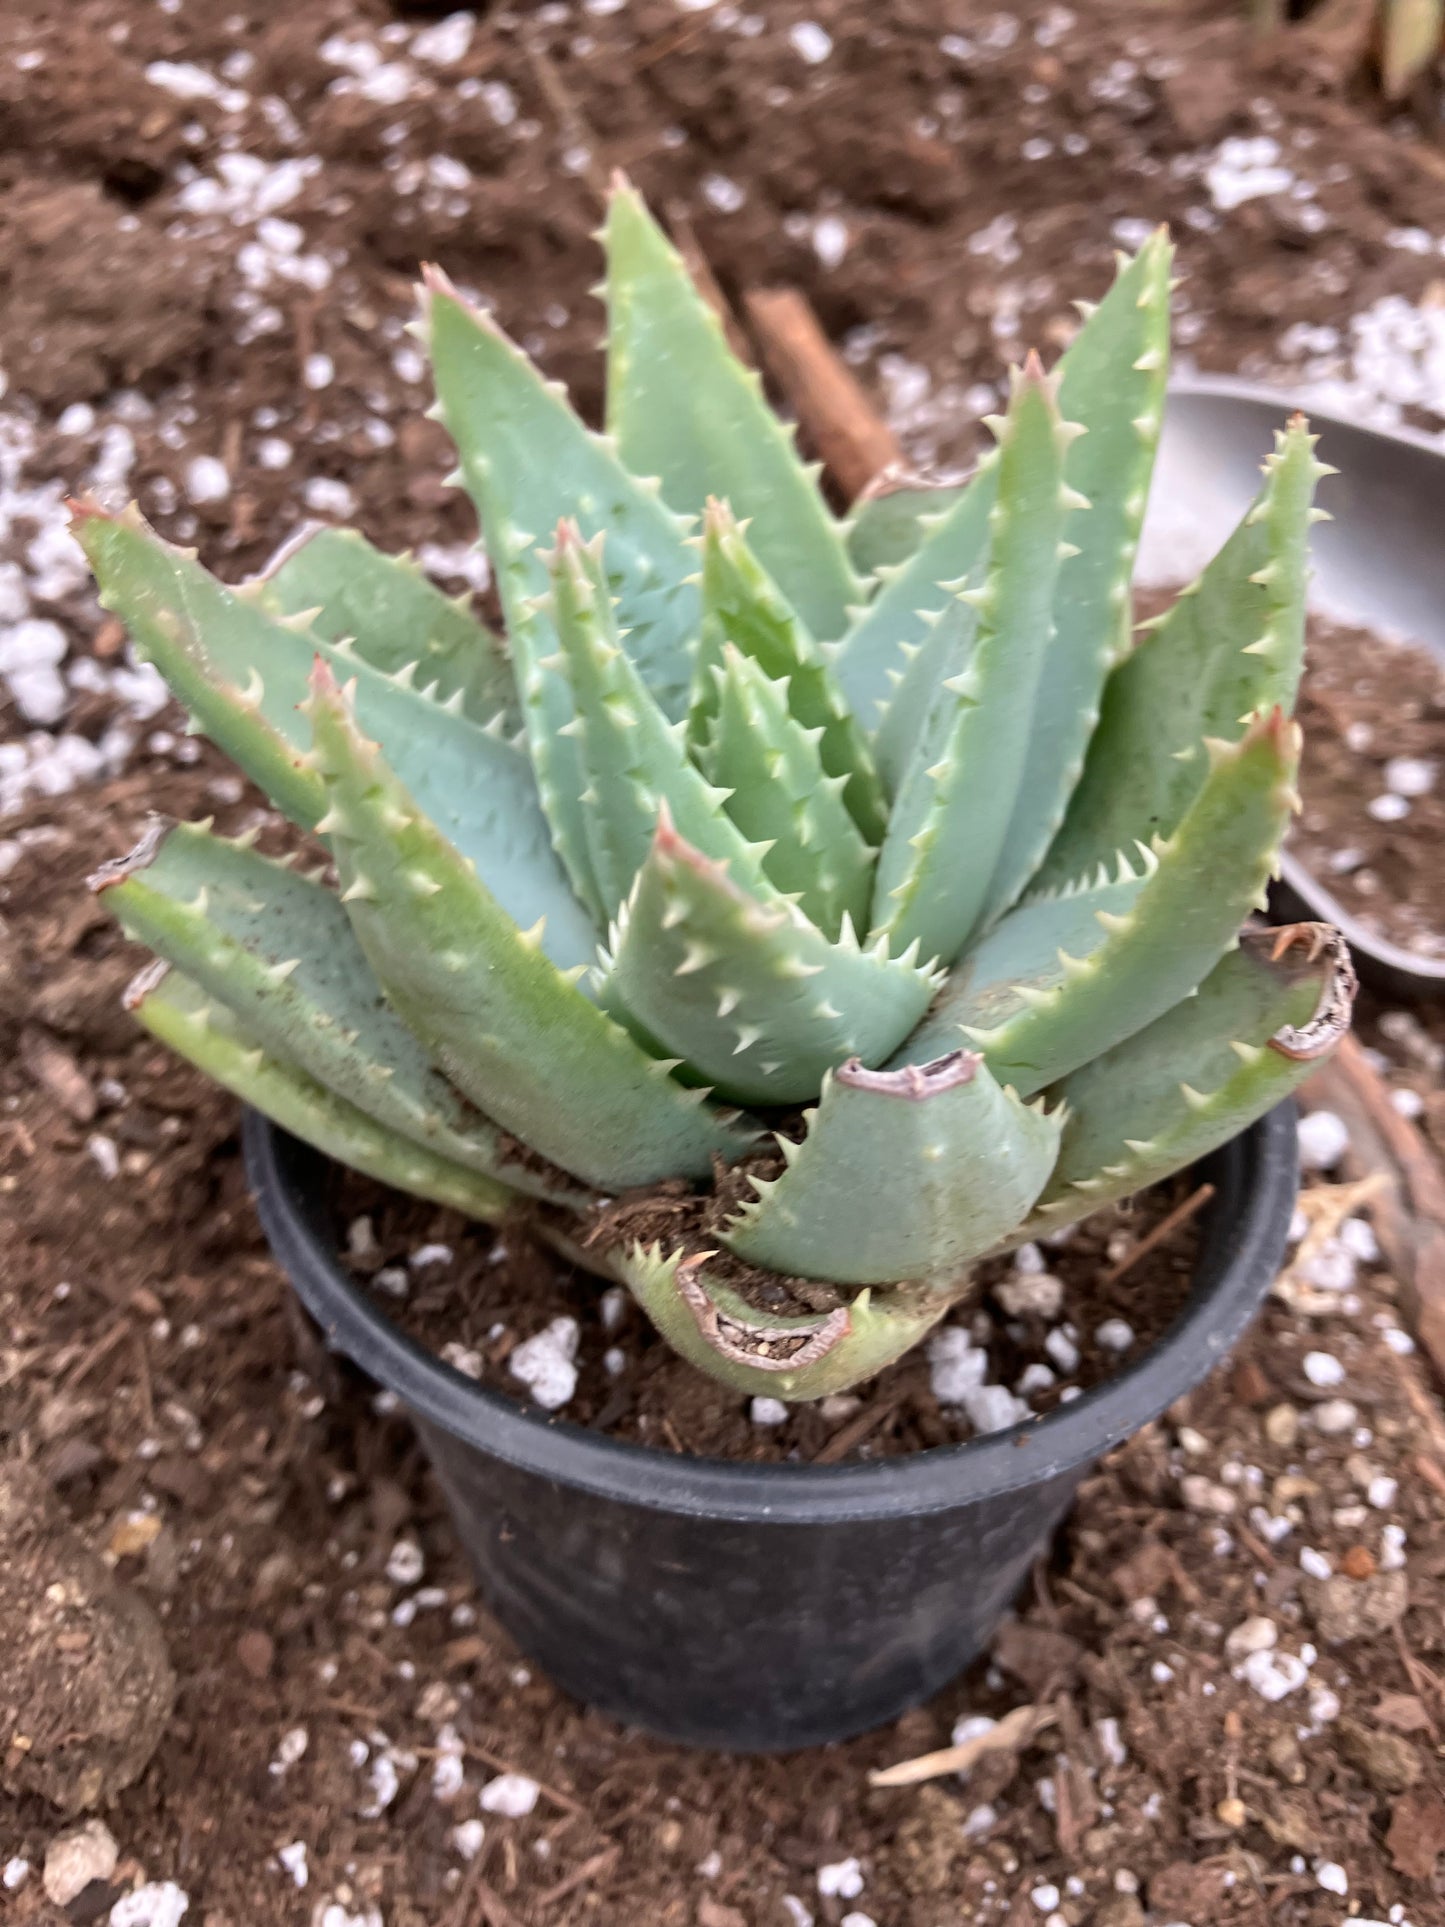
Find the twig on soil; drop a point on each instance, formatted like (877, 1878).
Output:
(1166, 1227)
(1325, 1208)
(852, 438)
(1411, 1223)
(1420, 1677)
(493, 1909)
(1014, 1730)
(100, 1350)
(592, 1869)
(855, 1431)
(571, 122)
(670, 44)
(500, 1765)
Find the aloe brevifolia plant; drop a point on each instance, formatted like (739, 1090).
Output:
(791, 911)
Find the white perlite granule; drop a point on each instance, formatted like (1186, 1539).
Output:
(545, 1364)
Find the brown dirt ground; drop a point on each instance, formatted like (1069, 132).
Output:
(150, 1356)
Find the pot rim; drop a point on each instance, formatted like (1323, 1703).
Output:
(1199, 383)
(1386, 966)
(1245, 1228)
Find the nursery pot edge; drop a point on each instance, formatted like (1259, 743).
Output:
(764, 1607)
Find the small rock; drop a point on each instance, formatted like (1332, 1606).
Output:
(1062, 1350)
(1359, 1562)
(955, 1364)
(1388, 1761)
(256, 1651)
(993, 1408)
(1203, 1495)
(812, 42)
(841, 1879)
(1358, 1238)
(405, 1565)
(468, 1838)
(160, 1903)
(1256, 1635)
(1285, 1757)
(293, 1860)
(512, 1794)
(1392, 1547)
(1332, 1877)
(1031, 1294)
(1281, 1425)
(768, 1411)
(75, 1858)
(1273, 1675)
(545, 1364)
(1323, 1369)
(1410, 775)
(1324, 1705)
(1382, 1491)
(1343, 1608)
(1035, 1378)
(1323, 1140)
(1114, 1335)
(1314, 1563)
(1388, 807)
(1335, 1416)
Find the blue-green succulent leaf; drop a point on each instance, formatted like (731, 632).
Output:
(954, 803)
(751, 996)
(242, 672)
(685, 409)
(1037, 1011)
(212, 1038)
(1232, 645)
(278, 951)
(394, 619)
(911, 1173)
(1112, 385)
(504, 1024)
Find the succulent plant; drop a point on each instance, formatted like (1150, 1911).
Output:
(794, 909)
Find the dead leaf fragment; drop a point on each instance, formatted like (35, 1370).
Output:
(133, 1534)
(1417, 1833)
(1403, 1711)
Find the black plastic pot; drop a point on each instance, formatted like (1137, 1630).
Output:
(1380, 563)
(761, 1608)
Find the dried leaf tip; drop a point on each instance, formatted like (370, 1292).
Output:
(915, 1082)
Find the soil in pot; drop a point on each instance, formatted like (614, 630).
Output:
(1051, 1322)
(1373, 782)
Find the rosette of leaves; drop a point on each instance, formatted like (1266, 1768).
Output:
(788, 910)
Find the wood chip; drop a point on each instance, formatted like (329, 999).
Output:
(1014, 1731)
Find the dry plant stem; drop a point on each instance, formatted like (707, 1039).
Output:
(1411, 1224)
(1166, 1227)
(1015, 1729)
(852, 439)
